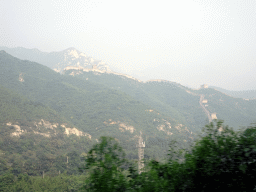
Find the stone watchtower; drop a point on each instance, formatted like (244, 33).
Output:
(214, 116)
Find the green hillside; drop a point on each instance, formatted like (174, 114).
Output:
(14, 107)
(28, 141)
(92, 108)
(236, 112)
(178, 101)
(84, 107)
(170, 98)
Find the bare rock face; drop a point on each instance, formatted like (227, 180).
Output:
(122, 126)
(57, 61)
(74, 131)
(74, 58)
(45, 129)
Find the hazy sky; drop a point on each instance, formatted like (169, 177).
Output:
(191, 42)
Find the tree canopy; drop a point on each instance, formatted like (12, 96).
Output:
(105, 163)
(220, 159)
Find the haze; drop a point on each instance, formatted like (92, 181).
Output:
(191, 42)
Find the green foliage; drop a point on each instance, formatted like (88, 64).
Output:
(6, 181)
(236, 112)
(217, 160)
(220, 160)
(169, 98)
(10, 183)
(180, 102)
(89, 106)
(105, 163)
(14, 107)
(33, 154)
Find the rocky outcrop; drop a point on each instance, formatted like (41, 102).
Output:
(76, 60)
(122, 126)
(45, 129)
(75, 131)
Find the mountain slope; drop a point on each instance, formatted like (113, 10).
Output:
(92, 108)
(236, 112)
(177, 101)
(164, 97)
(57, 60)
(14, 107)
(170, 98)
(181, 103)
(47, 116)
(34, 138)
(249, 94)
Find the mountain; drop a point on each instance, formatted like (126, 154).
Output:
(51, 115)
(236, 112)
(181, 103)
(249, 94)
(168, 97)
(67, 59)
(49, 120)
(192, 108)
(57, 60)
(34, 138)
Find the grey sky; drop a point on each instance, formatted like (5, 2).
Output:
(191, 42)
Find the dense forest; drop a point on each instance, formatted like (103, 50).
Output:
(221, 159)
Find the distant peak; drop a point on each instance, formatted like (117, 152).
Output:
(2, 51)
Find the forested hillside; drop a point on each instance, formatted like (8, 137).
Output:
(32, 140)
(236, 112)
(198, 168)
(168, 97)
(46, 116)
(177, 101)
(50, 121)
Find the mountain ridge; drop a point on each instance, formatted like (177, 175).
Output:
(90, 107)
(57, 60)
(71, 57)
(79, 70)
(168, 97)
(92, 103)
(245, 94)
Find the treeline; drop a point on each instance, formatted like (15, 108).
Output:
(221, 159)
(25, 183)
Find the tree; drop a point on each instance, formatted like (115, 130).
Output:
(6, 181)
(220, 160)
(105, 162)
